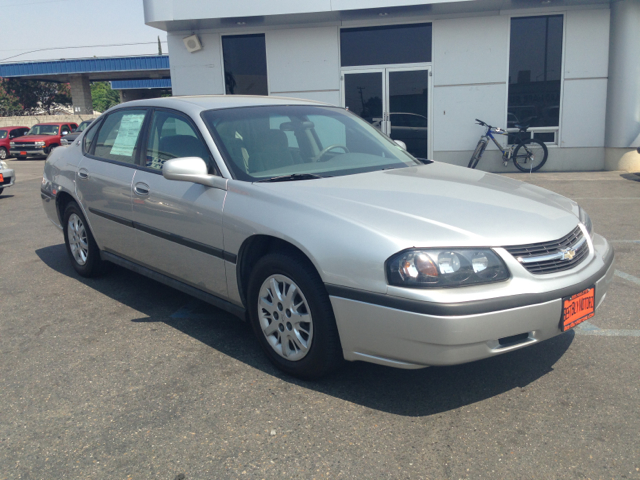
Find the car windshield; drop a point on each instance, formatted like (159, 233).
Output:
(44, 130)
(3, 134)
(300, 142)
(83, 125)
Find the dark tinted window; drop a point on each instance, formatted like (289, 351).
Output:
(87, 140)
(3, 134)
(172, 136)
(385, 45)
(119, 134)
(363, 95)
(245, 64)
(535, 64)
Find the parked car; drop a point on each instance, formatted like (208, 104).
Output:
(7, 176)
(40, 140)
(68, 139)
(6, 135)
(328, 237)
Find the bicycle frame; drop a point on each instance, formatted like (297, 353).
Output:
(506, 152)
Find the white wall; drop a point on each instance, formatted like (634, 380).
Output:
(586, 64)
(304, 63)
(470, 58)
(198, 73)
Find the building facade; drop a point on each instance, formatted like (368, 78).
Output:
(423, 71)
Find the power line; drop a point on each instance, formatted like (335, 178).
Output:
(80, 46)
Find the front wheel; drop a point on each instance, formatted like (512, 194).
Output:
(530, 155)
(81, 247)
(475, 158)
(3, 153)
(292, 317)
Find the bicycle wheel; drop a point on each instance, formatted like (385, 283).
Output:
(530, 155)
(475, 158)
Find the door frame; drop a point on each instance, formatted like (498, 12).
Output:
(385, 70)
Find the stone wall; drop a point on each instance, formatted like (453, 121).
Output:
(29, 121)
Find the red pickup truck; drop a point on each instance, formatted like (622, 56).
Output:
(7, 134)
(40, 140)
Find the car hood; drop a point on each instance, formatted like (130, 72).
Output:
(438, 205)
(34, 138)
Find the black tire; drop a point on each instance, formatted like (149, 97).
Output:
(50, 149)
(530, 155)
(3, 153)
(324, 352)
(91, 265)
(475, 158)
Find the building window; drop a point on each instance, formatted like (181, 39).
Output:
(245, 64)
(385, 45)
(535, 71)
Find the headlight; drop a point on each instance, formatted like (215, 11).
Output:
(433, 268)
(586, 221)
(64, 141)
(40, 144)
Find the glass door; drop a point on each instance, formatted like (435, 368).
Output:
(395, 100)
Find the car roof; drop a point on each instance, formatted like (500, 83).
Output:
(199, 103)
(54, 123)
(12, 128)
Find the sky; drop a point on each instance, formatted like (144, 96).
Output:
(56, 25)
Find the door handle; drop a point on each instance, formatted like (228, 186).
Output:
(83, 173)
(141, 189)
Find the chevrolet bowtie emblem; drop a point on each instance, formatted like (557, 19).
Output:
(568, 254)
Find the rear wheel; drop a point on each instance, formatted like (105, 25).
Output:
(81, 247)
(50, 149)
(292, 317)
(475, 158)
(530, 155)
(3, 153)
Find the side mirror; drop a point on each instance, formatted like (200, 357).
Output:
(401, 144)
(191, 169)
(64, 132)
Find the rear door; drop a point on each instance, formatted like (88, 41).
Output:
(178, 224)
(105, 176)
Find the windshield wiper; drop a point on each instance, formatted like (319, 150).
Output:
(292, 177)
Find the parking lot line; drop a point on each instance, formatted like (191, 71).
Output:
(628, 277)
(586, 328)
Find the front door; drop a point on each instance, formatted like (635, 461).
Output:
(393, 99)
(178, 224)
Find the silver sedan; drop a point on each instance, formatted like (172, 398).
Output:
(7, 176)
(327, 236)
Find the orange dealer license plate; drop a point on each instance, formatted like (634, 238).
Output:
(578, 308)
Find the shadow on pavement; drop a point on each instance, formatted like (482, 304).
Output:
(402, 392)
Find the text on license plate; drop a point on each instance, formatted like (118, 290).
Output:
(578, 308)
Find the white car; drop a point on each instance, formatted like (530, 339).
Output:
(7, 176)
(328, 237)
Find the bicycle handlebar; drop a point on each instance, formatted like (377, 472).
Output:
(495, 129)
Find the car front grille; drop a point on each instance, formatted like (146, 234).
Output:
(554, 256)
(23, 144)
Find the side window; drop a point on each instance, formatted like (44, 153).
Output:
(65, 130)
(118, 137)
(88, 138)
(172, 136)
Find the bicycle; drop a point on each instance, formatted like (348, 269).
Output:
(529, 155)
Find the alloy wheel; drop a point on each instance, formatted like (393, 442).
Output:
(285, 317)
(78, 241)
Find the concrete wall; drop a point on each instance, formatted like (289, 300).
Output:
(469, 78)
(29, 121)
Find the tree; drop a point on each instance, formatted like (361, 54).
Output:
(36, 96)
(103, 96)
(9, 104)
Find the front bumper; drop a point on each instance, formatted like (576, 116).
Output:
(406, 338)
(29, 152)
(9, 178)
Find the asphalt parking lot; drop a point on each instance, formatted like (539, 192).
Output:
(121, 377)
